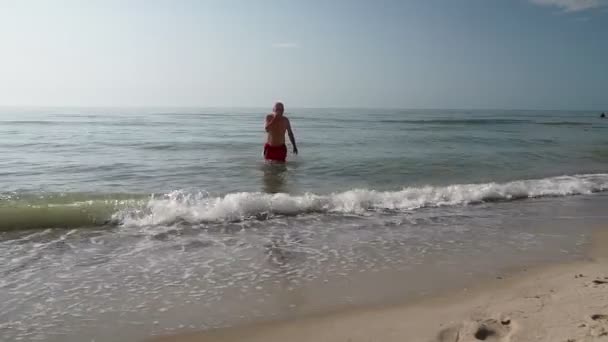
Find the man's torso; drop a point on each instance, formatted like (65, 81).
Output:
(276, 133)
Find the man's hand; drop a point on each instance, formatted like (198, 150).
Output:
(270, 119)
(295, 150)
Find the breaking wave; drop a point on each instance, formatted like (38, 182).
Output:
(198, 208)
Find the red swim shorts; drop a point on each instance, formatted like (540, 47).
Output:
(275, 153)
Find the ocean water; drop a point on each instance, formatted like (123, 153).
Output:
(125, 223)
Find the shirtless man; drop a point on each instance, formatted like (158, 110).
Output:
(276, 126)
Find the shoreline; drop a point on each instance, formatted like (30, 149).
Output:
(558, 302)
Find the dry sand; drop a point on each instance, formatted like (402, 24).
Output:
(558, 303)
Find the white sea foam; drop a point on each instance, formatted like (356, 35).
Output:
(197, 208)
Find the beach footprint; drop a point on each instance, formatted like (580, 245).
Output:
(598, 327)
(490, 329)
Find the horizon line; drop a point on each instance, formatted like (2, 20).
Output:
(295, 107)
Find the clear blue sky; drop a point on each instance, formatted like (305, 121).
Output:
(532, 54)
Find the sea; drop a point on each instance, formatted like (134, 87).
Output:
(126, 223)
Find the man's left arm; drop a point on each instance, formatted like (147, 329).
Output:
(292, 138)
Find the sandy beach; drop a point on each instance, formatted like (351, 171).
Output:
(566, 302)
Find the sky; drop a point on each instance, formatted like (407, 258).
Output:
(508, 54)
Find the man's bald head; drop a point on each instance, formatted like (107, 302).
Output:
(278, 108)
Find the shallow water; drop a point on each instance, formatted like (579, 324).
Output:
(218, 150)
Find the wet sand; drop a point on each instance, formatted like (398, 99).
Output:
(565, 302)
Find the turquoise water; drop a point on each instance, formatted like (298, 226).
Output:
(117, 224)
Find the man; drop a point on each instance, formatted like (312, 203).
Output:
(276, 126)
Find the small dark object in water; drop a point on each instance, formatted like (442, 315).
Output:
(600, 282)
(603, 115)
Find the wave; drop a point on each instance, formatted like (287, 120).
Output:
(474, 122)
(117, 123)
(459, 121)
(199, 208)
(57, 212)
(565, 123)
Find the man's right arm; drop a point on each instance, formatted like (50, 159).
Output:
(269, 121)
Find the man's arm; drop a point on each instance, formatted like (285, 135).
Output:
(270, 120)
(292, 138)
